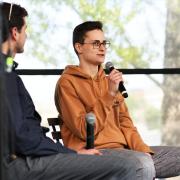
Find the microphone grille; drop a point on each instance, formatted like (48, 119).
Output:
(108, 65)
(90, 118)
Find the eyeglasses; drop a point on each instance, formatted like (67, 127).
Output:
(10, 11)
(97, 44)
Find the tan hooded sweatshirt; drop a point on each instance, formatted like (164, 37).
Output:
(76, 95)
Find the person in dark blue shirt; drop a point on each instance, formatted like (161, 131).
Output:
(31, 155)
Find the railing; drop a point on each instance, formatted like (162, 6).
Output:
(124, 71)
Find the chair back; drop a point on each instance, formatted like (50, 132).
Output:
(54, 123)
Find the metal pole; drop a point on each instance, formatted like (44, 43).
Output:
(3, 118)
(1, 113)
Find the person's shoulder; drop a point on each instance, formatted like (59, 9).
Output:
(68, 73)
(65, 79)
(11, 76)
(18, 78)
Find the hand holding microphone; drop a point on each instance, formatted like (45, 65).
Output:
(109, 66)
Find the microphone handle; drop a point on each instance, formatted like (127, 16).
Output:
(90, 136)
(122, 89)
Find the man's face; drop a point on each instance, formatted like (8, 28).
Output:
(21, 38)
(92, 51)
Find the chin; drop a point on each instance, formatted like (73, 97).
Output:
(99, 63)
(20, 51)
(102, 61)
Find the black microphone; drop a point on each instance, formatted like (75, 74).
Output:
(109, 66)
(90, 120)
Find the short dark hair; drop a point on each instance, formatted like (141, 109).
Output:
(80, 31)
(15, 20)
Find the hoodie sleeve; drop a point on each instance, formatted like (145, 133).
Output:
(70, 108)
(133, 138)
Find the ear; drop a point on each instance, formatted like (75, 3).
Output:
(78, 47)
(14, 33)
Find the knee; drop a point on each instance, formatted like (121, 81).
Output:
(135, 168)
(145, 167)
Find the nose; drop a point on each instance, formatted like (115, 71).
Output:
(102, 46)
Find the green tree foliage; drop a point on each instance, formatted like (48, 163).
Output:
(124, 53)
(116, 17)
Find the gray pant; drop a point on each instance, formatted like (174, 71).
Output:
(166, 160)
(112, 165)
(81, 167)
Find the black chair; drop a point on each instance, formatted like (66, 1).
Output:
(54, 123)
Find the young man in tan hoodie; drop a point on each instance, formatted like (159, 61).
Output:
(86, 88)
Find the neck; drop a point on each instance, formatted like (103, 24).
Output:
(7, 49)
(90, 69)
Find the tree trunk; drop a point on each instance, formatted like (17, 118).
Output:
(171, 84)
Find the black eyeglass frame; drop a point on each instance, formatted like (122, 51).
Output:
(97, 44)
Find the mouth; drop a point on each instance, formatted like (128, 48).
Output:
(101, 55)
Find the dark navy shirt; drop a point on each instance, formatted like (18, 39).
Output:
(29, 138)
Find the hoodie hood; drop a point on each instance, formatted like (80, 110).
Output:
(83, 83)
(77, 71)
